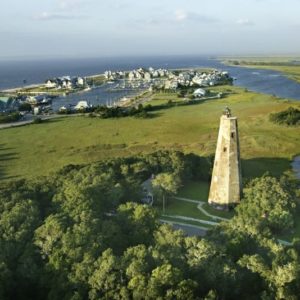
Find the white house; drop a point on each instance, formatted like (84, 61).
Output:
(80, 81)
(147, 76)
(82, 105)
(131, 76)
(36, 110)
(155, 74)
(147, 191)
(50, 84)
(198, 93)
(63, 109)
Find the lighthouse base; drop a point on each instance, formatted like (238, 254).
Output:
(224, 207)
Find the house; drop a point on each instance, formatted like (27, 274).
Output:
(155, 74)
(82, 105)
(198, 93)
(50, 84)
(138, 75)
(171, 84)
(131, 76)
(67, 84)
(63, 109)
(35, 100)
(4, 102)
(147, 76)
(79, 81)
(148, 191)
(64, 82)
(36, 110)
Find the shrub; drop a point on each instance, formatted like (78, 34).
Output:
(37, 120)
(9, 117)
(290, 117)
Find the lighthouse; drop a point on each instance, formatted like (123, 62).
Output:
(226, 182)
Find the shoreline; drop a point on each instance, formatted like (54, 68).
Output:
(37, 85)
(274, 68)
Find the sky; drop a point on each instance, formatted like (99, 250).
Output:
(94, 28)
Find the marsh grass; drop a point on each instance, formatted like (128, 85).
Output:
(44, 148)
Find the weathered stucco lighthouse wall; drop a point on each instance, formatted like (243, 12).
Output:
(226, 182)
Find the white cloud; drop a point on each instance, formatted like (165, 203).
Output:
(63, 10)
(180, 15)
(48, 16)
(244, 22)
(69, 4)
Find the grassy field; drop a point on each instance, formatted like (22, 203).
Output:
(198, 190)
(40, 149)
(188, 222)
(181, 208)
(195, 191)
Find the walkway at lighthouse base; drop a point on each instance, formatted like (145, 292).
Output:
(195, 217)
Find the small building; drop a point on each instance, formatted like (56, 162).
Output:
(36, 100)
(63, 109)
(171, 84)
(198, 93)
(131, 76)
(82, 105)
(148, 192)
(147, 76)
(79, 81)
(50, 84)
(36, 110)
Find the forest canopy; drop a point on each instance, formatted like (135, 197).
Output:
(83, 233)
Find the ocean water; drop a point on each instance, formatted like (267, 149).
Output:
(13, 73)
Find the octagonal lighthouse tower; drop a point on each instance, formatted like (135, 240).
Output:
(226, 182)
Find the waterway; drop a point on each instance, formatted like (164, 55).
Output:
(13, 74)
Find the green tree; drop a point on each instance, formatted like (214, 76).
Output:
(166, 184)
(266, 204)
(108, 279)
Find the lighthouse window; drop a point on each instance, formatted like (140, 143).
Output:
(224, 149)
(232, 135)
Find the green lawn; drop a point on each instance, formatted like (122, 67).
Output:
(187, 222)
(195, 190)
(182, 208)
(199, 191)
(37, 150)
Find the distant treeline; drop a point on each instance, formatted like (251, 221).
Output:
(263, 63)
(290, 117)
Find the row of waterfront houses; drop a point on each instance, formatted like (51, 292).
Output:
(169, 79)
(137, 74)
(65, 82)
